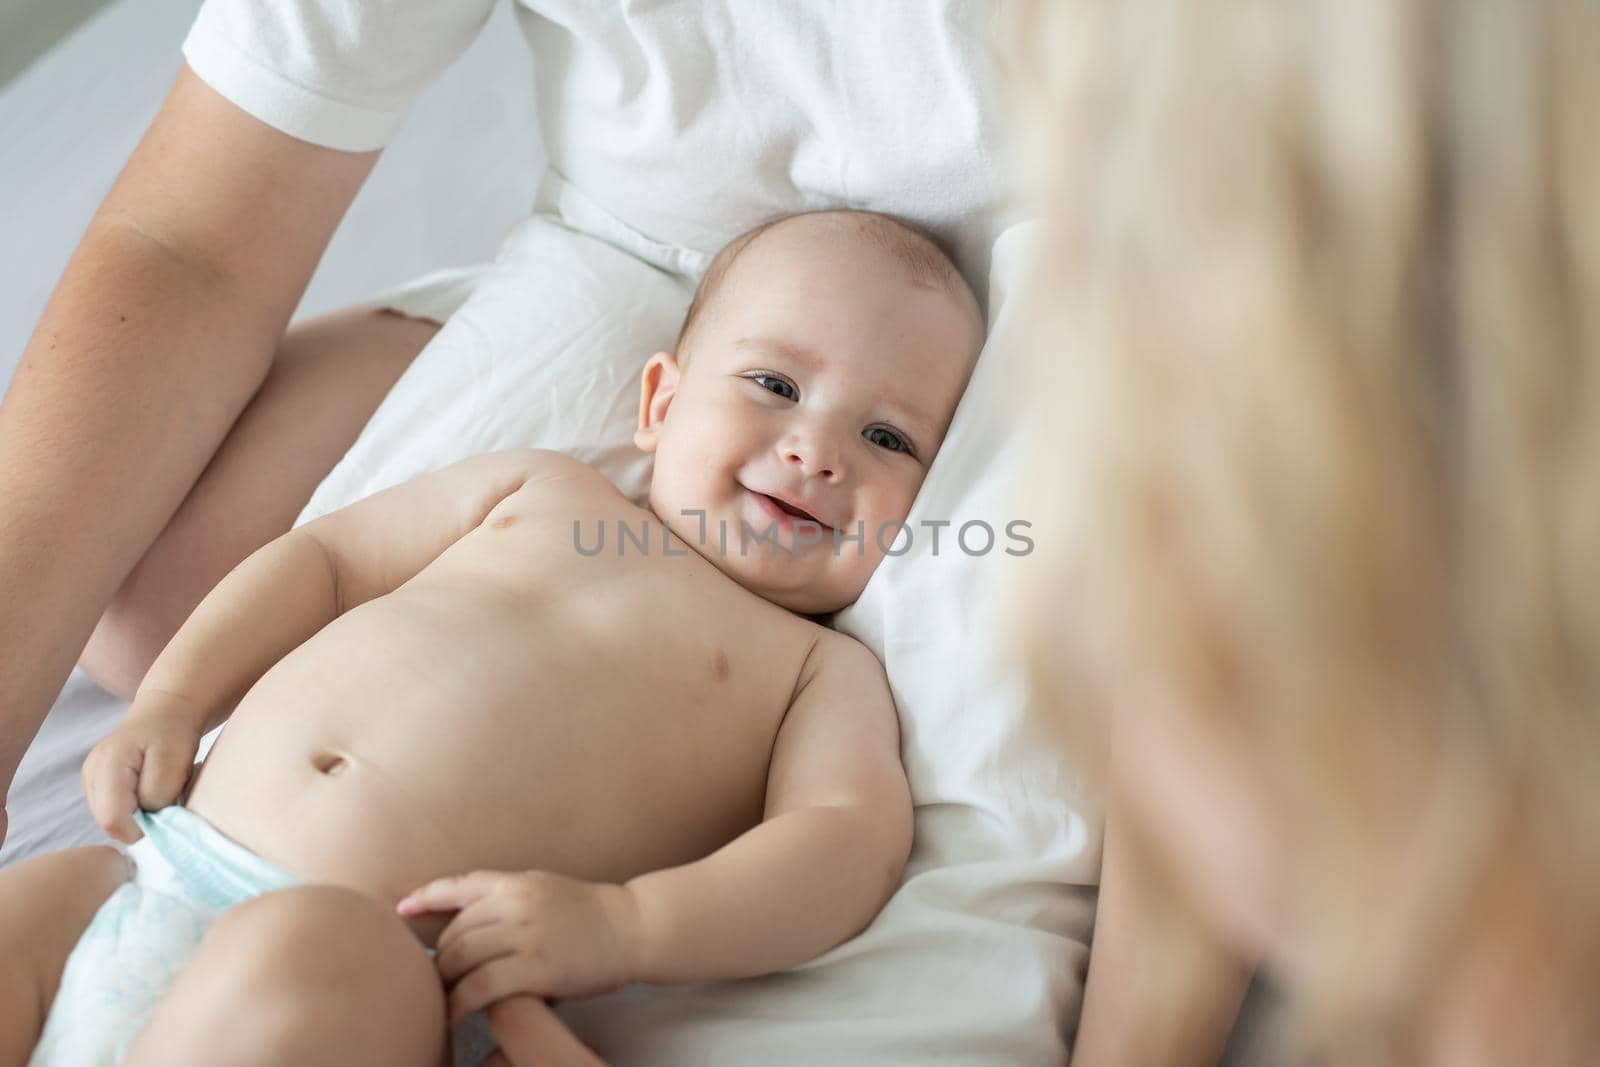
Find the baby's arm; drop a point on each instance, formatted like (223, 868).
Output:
(295, 585)
(268, 605)
(827, 855)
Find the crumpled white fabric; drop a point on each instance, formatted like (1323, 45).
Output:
(545, 352)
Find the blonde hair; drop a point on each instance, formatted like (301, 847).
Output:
(1323, 314)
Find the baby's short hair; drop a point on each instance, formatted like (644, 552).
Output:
(923, 255)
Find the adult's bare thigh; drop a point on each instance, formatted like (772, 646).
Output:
(328, 377)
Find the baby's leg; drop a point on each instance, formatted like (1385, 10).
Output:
(45, 905)
(311, 975)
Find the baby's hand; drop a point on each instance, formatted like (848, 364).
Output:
(143, 763)
(528, 932)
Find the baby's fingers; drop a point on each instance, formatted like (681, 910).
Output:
(497, 979)
(167, 766)
(110, 782)
(459, 952)
(449, 894)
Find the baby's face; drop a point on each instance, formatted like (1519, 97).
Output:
(820, 383)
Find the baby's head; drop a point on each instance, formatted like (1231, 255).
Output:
(815, 375)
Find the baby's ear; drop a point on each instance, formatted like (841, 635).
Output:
(657, 386)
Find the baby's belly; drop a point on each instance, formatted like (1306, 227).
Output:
(326, 818)
(383, 769)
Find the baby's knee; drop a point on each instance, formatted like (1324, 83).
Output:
(304, 970)
(46, 904)
(320, 937)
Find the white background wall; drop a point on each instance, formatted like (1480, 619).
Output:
(29, 27)
(461, 172)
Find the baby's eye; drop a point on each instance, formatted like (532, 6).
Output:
(772, 383)
(884, 437)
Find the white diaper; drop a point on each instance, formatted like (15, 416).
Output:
(183, 874)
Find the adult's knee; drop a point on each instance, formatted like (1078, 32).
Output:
(307, 975)
(131, 633)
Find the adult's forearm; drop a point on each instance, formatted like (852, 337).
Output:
(137, 369)
(1162, 987)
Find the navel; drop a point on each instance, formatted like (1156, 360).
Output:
(719, 666)
(329, 763)
(502, 522)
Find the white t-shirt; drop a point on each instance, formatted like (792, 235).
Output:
(686, 122)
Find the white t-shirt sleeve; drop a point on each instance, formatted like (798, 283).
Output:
(338, 73)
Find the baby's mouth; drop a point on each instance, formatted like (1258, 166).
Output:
(796, 512)
(790, 509)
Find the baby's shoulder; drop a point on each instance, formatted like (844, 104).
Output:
(844, 663)
(547, 465)
(554, 475)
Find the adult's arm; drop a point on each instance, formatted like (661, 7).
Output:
(1162, 990)
(160, 331)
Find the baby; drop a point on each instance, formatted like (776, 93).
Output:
(564, 769)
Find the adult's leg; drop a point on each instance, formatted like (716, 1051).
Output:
(328, 377)
(314, 975)
(45, 905)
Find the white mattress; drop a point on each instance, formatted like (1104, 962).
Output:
(47, 807)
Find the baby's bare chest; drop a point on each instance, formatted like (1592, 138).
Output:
(541, 655)
(654, 622)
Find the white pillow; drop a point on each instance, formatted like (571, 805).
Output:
(979, 958)
(545, 352)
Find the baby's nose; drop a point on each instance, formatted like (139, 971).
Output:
(813, 458)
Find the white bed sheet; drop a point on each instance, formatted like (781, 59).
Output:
(47, 807)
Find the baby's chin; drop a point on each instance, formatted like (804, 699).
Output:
(825, 593)
(812, 598)
(806, 601)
